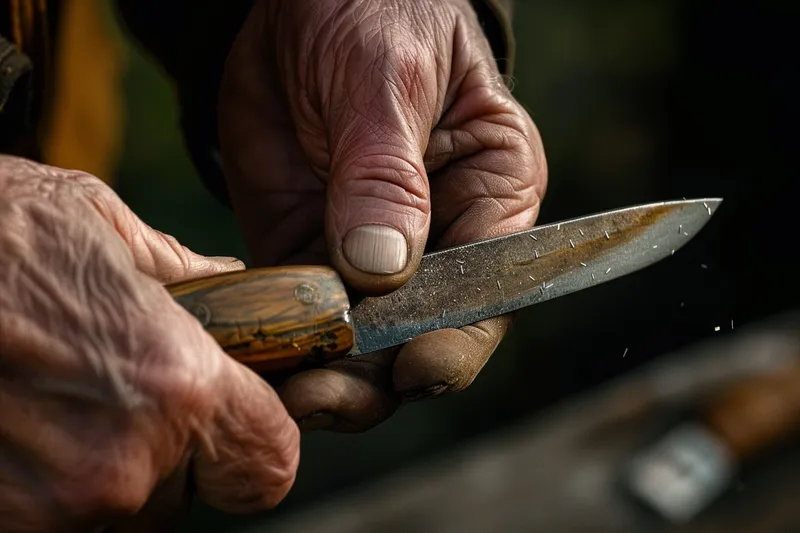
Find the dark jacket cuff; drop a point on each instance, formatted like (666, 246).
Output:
(190, 39)
(208, 38)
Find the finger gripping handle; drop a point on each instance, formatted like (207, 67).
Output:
(272, 318)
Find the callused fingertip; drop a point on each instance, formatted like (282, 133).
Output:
(226, 263)
(376, 249)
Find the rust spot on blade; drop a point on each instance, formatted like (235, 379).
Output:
(605, 236)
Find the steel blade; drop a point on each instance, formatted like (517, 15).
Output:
(465, 284)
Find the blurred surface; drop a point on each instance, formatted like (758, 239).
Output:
(637, 102)
(563, 471)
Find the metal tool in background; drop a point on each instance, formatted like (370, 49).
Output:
(697, 461)
(283, 317)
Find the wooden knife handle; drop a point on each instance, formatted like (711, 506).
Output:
(273, 318)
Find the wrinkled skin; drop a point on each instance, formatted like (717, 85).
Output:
(339, 113)
(114, 403)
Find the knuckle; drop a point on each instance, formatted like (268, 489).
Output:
(523, 144)
(169, 366)
(259, 481)
(23, 179)
(380, 187)
(283, 469)
(388, 176)
(78, 192)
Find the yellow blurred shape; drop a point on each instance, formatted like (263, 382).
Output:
(84, 126)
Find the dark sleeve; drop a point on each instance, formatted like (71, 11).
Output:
(495, 17)
(190, 39)
(16, 123)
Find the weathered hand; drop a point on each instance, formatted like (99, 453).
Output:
(114, 403)
(359, 133)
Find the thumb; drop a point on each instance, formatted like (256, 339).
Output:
(162, 257)
(378, 204)
(156, 254)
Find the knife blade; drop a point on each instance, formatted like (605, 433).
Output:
(281, 317)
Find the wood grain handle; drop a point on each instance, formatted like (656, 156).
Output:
(272, 318)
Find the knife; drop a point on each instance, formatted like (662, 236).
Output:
(279, 318)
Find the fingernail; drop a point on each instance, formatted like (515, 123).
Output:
(376, 249)
(315, 422)
(423, 393)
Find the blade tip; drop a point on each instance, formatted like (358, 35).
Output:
(703, 200)
(708, 204)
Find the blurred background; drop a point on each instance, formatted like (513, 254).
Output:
(636, 102)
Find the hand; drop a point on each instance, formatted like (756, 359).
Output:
(361, 133)
(114, 403)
